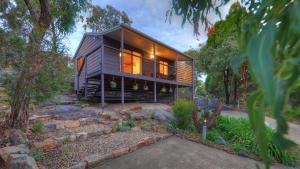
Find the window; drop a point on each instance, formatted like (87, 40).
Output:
(132, 62)
(79, 63)
(163, 67)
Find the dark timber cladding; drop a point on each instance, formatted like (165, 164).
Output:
(123, 64)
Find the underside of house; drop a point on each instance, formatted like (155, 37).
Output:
(123, 64)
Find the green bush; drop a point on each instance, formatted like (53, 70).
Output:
(131, 123)
(239, 136)
(183, 110)
(38, 127)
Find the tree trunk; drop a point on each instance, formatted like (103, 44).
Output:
(236, 90)
(211, 121)
(226, 77)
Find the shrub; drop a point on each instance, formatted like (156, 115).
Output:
(131, 123)
(239, 136)
(152, 116)
(40, 156)
(183, 110)
(38, 127)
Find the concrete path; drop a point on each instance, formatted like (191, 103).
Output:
(176, 153)
(294, 129)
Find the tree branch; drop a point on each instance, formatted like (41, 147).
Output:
(31, 10)
(45, 16)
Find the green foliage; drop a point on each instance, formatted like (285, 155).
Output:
(239, 135)
(38, 127)
(183, 110)
(270, 36)
(123, 127)
(152, 116)
(40, 156)
(145, 126)
(106, 18)
(131, 123)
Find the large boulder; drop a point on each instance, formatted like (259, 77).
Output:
(21, 161)
(160, 114)
(5, 152)
(17, 137)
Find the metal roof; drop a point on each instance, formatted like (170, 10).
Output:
(133, 30)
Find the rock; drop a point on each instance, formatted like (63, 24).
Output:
(98, 132)
(60, 126)
(105, 116)
(120, 152)
(81, 135)
(125, 114)
(81, 165)
(72, 137)
(18, 149)
(46, 145)
(243, 153)
(21, 161)
(96, 159)
(160, 129)
(71, 123)
(136, 129)
(50, 127)
(133, 147)
(145, 141)
(161, 114)
(107, 130)
(137, 108)
(114, 127)
(138, 116)
(43, 118)
(87, 121)
(221, 141)
(17, 137)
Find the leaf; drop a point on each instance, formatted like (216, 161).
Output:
(256, 114)
(260, 59)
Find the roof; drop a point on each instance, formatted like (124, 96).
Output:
(133, 30)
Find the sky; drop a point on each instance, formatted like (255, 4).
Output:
(149, 17)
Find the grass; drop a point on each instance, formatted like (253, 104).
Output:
(239, 136)
(40, 156)
(127, 125)
(38, 127)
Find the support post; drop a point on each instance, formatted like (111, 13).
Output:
(102, 91)
(122, 66)
(85, 76)
(154, 72)
(154, 88)
(102, 75)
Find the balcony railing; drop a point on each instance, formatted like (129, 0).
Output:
(146, 65)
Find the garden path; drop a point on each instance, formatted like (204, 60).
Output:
(177, 153)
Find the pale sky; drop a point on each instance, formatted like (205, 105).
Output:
(149, 16)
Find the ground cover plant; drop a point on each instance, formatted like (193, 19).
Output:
(238, 135)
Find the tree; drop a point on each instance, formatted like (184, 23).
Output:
(270, 41)
(214, 59)
(28, 23)
(105, 18)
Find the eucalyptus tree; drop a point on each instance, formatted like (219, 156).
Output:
(101, 19)
(270, 41)
(30, 31)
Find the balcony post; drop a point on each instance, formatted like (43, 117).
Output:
(122, 66)
(85, 76)
(154, 70)
(102, 75)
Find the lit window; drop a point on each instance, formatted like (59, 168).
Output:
(132, 62)
(163, 67)
(79, 64)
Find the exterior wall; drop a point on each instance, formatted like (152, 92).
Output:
(89, 44)
(184, 73)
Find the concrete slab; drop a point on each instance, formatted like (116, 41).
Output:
(177, 153)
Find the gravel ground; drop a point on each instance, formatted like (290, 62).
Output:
(72, 153)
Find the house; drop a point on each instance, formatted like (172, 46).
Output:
(123, 64)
